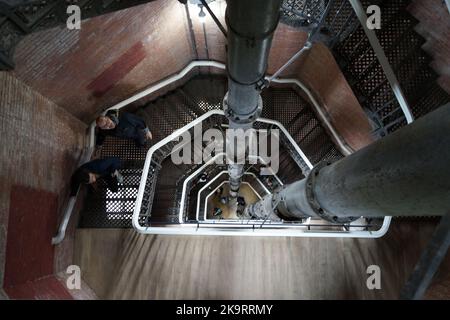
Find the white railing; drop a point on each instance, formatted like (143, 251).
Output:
(197, 215)
(222, 227)
(180, 75)
(177, 133)
(59, 237)
(211, 193)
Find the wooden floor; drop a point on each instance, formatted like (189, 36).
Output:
(121, 264)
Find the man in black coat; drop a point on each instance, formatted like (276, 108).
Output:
(106, 169)
(126, 125)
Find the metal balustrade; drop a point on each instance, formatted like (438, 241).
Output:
(285, 115)
(143, 223)
(386, 68)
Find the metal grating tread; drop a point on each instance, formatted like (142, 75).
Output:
(402, 46)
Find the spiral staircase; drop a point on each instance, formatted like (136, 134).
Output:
(174, 195)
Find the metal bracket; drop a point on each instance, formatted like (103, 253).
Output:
(429, 262)
(314, 203)
(242, 118)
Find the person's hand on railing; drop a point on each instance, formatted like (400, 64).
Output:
(97, 152)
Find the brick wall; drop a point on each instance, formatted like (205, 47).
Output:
(319, 71)
(211, 43)
(110, 58)
(40, 143)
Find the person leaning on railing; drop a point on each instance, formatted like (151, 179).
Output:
(124, 125)
(106, 169)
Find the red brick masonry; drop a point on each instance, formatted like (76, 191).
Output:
(29, 252)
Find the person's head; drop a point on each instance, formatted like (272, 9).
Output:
(105, 123)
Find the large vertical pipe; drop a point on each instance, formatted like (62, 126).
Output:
(405, 174)
(251, 24)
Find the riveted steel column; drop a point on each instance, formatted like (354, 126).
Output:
(404, 174)
(251, 24)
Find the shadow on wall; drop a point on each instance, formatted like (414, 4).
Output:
(123, 91)
(119, 92)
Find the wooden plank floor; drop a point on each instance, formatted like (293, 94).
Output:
(121, 264)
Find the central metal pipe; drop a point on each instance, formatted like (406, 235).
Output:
(251, 24)
(404, 174)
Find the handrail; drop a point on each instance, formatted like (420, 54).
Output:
(177, 133)
(221, 184)
(158, 86)
(91, 132)
(65, 221)
(59, 237)
(212, 192)
(178, 76)
(214, 179)
(267, 230)
(261, 230)
(155, 147)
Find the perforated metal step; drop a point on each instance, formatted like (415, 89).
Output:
(402, 46)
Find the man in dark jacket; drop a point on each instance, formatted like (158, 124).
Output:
(125, 125)
(90, 172)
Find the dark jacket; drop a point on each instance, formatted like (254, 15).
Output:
(103, 167)
(128, 126)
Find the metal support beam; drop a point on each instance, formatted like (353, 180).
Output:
(213, 16)
(404, 174)
(429, 262)
(295, 57)
(251, 24)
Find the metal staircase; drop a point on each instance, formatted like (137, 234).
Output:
(103, 209)
(402, 46)
(170, 193)
(345, 36)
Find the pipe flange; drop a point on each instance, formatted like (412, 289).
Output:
(278, 204)
(242, 118)
(314, 204)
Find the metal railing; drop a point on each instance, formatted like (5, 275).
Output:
(164, 143)
(223, 227)
(338, 22)
(381, 56)
(180, 75)
(361, 15)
